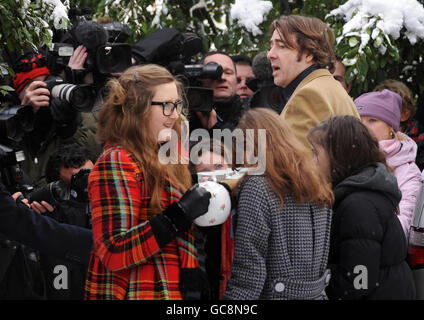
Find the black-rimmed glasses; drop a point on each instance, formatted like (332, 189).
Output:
(169, 107)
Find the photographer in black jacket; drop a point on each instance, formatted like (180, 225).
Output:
(56, 122)
(227, 106)
(71, 165)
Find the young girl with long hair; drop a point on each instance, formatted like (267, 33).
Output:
(142, 219)
(283, 226)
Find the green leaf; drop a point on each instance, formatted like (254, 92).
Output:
(350, 74)
(394, 53)
(6, 88)
(10, 45)
(368, 52)
(373, 66)
(352, 53)
(353, 42)
(363, 66)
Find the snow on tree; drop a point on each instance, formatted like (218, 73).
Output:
(27, 25)
(371, 37)
(250, 14)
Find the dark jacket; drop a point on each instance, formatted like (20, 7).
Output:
(228, 115)
(19, 223)
(368, 246)
(73, 213)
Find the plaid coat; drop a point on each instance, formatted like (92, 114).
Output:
(126, 261)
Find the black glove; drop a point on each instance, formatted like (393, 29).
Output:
(75, 76)
(195, 202)
(178, 217)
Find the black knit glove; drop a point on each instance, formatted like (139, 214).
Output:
(178, 217)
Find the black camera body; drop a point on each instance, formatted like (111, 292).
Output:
(58, 56)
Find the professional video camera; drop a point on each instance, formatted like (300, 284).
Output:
(174, 50)
(105, 43)
(58, 191)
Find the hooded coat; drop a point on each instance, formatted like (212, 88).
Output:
(400, 156)
(368, 247)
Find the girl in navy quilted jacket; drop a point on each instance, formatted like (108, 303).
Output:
(368, 246)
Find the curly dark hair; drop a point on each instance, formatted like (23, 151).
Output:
(67, 156)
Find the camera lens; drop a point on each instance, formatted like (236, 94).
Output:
(212, 70)
(52, 193)
(81, 97)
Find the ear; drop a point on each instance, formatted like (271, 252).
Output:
(405, 115)
(309, 58)
(349, 87)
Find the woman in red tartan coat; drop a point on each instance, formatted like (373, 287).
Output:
(142, 221)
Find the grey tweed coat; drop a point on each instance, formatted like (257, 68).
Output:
(278, 253)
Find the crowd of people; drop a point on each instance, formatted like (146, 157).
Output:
(337, 193)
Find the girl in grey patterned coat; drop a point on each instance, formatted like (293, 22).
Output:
(283, 227)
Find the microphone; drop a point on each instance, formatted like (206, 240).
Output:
(262, 70)
(267, 94)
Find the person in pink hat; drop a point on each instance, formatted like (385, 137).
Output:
(381, 112)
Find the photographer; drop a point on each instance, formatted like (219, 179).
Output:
(70, 164)
(56, 121)
(227, 105)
